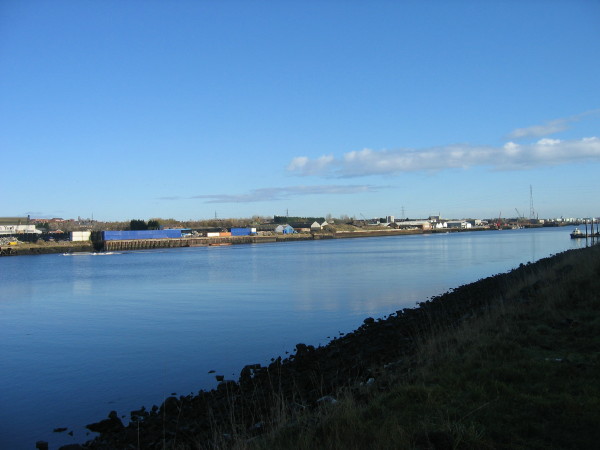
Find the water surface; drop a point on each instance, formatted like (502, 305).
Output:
(81, 335)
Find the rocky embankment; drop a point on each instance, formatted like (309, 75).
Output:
(313, 376)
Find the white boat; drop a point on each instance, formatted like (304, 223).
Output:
(577, 233)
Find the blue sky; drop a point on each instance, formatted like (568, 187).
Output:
(187, 109)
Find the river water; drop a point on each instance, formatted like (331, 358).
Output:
(81, 335)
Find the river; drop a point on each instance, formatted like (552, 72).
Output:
(81, 335)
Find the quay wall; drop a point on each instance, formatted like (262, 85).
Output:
(145, 244)
(142, 244)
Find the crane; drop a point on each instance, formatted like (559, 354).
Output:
(519, 216)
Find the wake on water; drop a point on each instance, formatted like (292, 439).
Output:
(91, 254)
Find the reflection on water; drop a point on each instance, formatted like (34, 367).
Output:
(82, 335)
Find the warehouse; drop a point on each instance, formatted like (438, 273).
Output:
(140, 234)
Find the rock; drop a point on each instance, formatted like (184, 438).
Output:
(41, 445)
(369, 382)
(138, 414)
(220, 377)
(112, 424)
(245, 374)
(170, 405)
(327, 399)
(226, 385)
(303, 349)
(59, 430)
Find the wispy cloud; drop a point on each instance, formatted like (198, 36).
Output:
(511, 156)
(548, 128)
(280, 193)
(552, 127)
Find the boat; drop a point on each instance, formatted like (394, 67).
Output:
(577, 233)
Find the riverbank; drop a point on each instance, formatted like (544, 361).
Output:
(24, 248)
(508, 361)
(43, 248)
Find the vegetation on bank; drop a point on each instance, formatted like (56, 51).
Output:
(511, 361)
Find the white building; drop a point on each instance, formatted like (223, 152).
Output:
(475, 222)
(459, 224)
(423, 224)
(78, 236)
(18, 229)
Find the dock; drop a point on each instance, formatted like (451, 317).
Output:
(149, 244)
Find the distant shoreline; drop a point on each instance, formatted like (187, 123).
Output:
(148, 244)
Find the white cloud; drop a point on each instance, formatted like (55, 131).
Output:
(309, 167)
(547, 141)
(511, 156)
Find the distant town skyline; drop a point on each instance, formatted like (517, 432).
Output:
(329, 217)
(127, 110)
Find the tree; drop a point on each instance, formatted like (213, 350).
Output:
(153, 224)
(138, 225)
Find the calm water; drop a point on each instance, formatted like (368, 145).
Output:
(84, 334)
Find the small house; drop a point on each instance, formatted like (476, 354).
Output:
(284, 229)
(301, 227)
